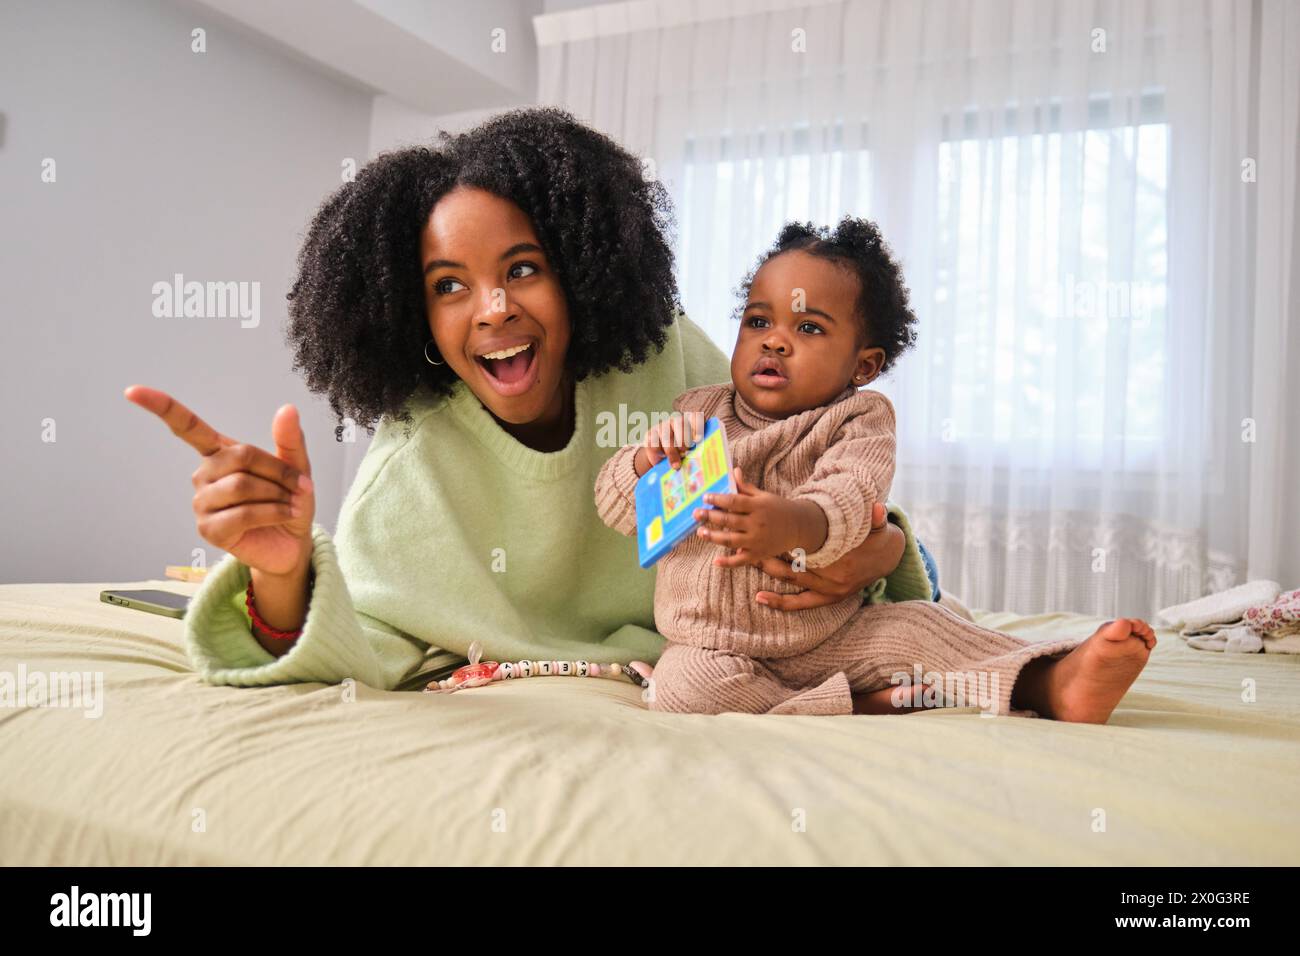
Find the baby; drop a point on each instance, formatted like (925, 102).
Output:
(812, 452)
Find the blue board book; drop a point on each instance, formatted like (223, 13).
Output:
(667, 496)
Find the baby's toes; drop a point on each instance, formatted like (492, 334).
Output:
(1120, 629)
(1144, 630)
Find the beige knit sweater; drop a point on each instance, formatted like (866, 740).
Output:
(840, 456)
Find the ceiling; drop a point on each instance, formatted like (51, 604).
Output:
(434, 55)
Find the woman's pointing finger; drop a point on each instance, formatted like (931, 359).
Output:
(183, 423)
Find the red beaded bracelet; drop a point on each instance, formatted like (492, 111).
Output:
(265, 628)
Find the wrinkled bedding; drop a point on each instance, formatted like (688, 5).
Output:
(569, 771)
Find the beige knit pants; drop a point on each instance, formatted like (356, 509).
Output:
(882, 645)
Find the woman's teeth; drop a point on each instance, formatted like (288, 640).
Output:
(506, 353)
(511, 371)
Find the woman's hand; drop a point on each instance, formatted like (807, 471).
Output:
(669, 439)
(875, 558)
(256, 505)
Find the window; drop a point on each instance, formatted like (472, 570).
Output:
(1051, 262)
(1042, 306)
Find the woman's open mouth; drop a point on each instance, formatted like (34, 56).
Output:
(510, 371)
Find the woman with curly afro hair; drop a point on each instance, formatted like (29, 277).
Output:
(500, 310)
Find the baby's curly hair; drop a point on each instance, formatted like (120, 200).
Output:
(357, 319)
(886, 320)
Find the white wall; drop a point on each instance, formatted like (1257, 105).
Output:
(435, 55)
(393, 124)
(468, 30)
(168, 161)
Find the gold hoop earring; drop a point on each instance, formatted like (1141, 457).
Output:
(426, 354)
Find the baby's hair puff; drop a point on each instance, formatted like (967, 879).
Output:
(886, 319)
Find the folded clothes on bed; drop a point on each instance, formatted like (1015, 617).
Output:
(1221, 608)
(1278, 624)
(1286, 644)
(1252, 617)
(1279, 618)
(1233, 639)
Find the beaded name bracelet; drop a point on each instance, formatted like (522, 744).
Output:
(477, 673)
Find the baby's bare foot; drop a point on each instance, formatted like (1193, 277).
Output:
(1089, 682)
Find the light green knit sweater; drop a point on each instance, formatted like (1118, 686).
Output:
(459, 532)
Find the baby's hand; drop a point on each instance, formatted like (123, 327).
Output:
(671, 438)
(759, 524)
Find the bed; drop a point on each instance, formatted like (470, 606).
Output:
(564, 771)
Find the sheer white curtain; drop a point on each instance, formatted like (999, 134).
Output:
(1095, 206)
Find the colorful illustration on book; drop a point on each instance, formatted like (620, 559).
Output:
(666, 497)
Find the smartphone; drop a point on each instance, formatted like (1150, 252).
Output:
(166, 603)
